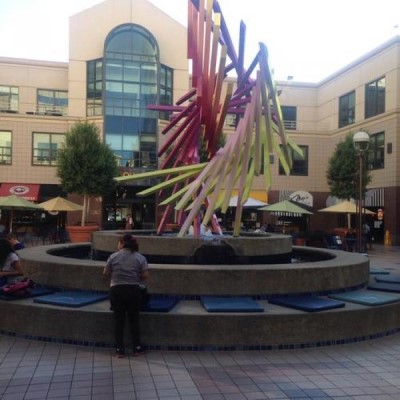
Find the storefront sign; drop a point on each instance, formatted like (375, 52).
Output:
(302, 197)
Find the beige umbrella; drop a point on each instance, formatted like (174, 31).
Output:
(346, 207)
(286, 206)
(60, 204)
(14, 202)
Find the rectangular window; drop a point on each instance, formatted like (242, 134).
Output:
(166, 89)
(300, 163)
(375, 97)
(9, 99)
(376, 151)
(52, 102)
(5, 148)
(94, 89)
(289, 115)
(347, 106)
(45, 147)
(148, 151)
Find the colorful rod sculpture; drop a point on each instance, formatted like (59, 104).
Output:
(196, 190)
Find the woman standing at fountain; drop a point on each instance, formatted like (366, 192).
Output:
(126, 269)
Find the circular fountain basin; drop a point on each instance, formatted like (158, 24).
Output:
(188, 325)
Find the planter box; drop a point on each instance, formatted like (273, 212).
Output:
(78, 234)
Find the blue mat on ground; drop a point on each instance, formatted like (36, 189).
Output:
(35, 292)
(385, 287)
(388, 278)
(378, 271)
(230, 304)
(160, 304)
(71, 298)
(306, 303)
(367, 298)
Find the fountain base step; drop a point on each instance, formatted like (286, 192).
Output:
(188, 326)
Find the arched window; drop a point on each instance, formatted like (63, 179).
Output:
(131, 70)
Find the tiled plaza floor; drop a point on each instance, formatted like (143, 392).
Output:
(364, 370)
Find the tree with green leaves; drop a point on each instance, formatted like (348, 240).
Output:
(85, 164)
(343, 171)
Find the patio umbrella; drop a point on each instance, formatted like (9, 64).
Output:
(346, 207)
(250, 202)
(286, 206)
(14, 202)
(60, 204)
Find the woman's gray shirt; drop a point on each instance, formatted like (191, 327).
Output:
(126, 267)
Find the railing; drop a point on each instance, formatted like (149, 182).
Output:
(142, 160)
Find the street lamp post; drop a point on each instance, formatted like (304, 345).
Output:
(360, 143)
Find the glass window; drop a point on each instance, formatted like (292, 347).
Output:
(347, 104)
(131, 82)
(300, 163)
(376, 151)
(52, 102)
(9, 99)
(131, 72)
(94, 97)
(45, 147)
(289, 115)
(5, 148)
(375, 97)
(166, 89)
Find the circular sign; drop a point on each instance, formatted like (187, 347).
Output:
(19, 190)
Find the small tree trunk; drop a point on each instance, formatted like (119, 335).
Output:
(85, 204)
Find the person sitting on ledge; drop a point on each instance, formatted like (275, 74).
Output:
(15, 243)
(10, 264)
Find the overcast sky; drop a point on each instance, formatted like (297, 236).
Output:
(306, 39)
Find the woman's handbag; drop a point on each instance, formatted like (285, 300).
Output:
(19, 288)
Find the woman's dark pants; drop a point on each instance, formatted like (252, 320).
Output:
(126, 299)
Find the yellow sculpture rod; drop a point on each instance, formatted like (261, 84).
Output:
(237, 222)
(174, 196)
(166, 184)
(225, 167)
(266, 109)
(267, 167)
(194, 186)
(248, 129)
(235, 149)
(281, 156)
(158, 173)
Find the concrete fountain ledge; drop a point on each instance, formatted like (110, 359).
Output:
(337, 272)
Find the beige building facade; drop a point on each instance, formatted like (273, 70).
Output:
(110, 79)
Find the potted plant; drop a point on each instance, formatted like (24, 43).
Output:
(300, 239)
(86, 166)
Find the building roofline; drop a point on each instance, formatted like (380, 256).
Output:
(395, 40)
(30, 62)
